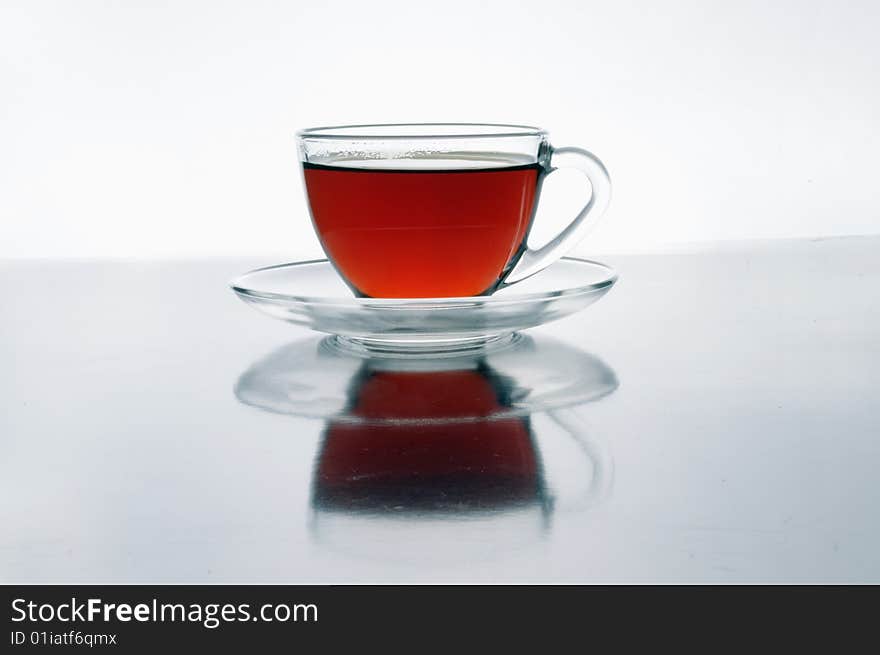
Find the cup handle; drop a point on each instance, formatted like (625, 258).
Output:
(533, 260)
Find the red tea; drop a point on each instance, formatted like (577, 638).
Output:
(422, 233)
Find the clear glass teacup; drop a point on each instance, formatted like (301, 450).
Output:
(438, 209)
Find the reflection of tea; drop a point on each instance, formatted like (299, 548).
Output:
(421, 440)
(418, 233)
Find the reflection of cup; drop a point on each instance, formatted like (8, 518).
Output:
(446, 458)
(425, 441)
(437, 210)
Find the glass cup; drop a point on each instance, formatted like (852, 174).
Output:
(437, 210)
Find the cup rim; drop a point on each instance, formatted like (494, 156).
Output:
(403, 131)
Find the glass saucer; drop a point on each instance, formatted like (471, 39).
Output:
(312, 294)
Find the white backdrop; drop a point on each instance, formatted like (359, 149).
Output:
(165, 129)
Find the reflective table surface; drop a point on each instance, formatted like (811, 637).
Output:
(716, 418)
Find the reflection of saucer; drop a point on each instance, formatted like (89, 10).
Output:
(313, 378)
(312, 294)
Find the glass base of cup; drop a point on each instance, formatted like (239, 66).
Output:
(421, 348)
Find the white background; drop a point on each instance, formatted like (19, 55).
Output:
(166, 128)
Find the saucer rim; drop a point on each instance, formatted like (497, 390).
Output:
(452, 301)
